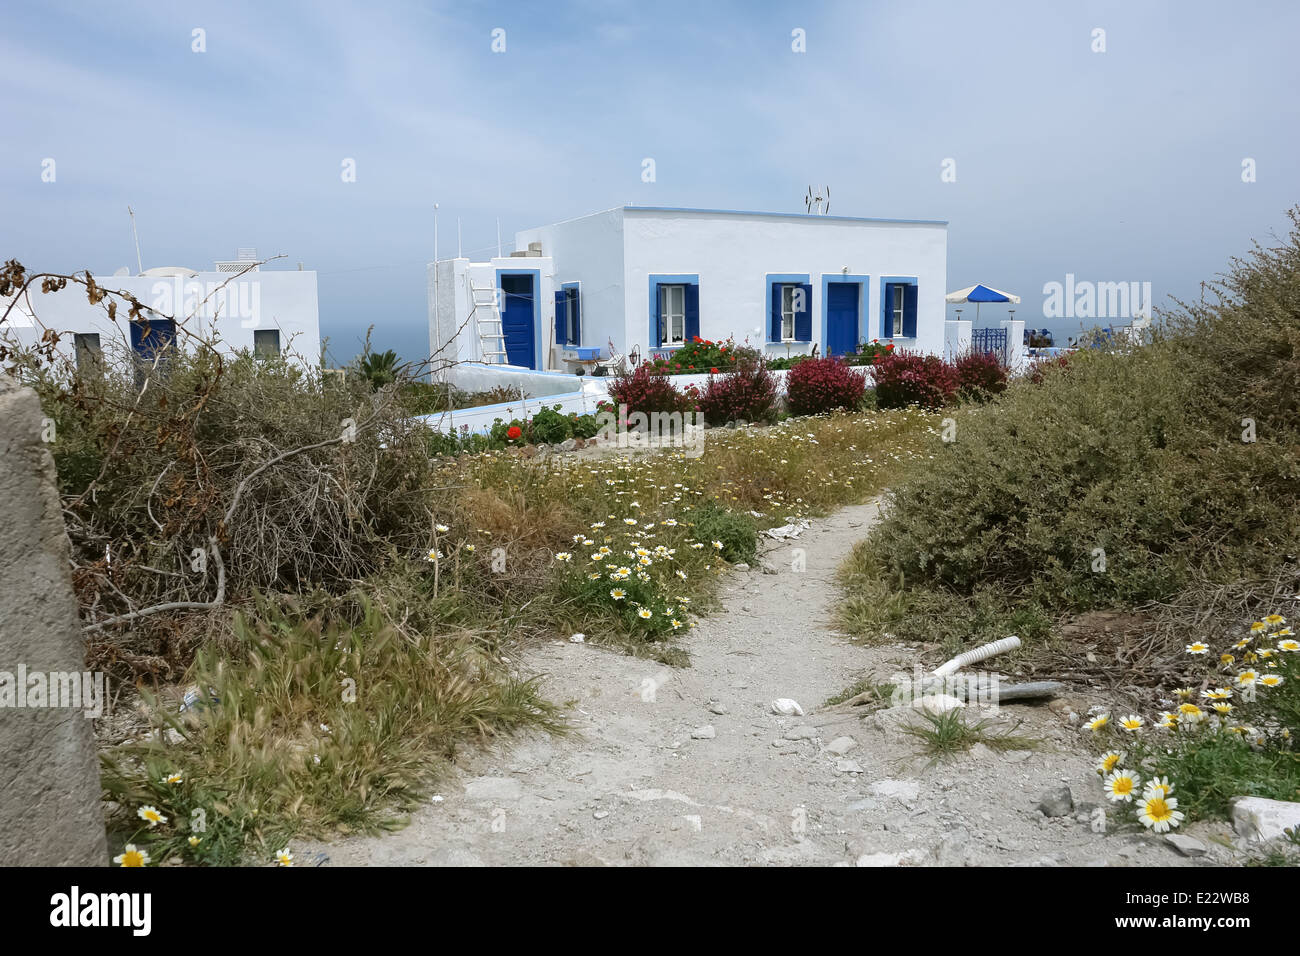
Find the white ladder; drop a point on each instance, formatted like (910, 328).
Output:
(486, 314)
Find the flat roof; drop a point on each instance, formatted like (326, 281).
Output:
(782, 215)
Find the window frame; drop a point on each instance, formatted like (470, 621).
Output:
(262, 356)
(668, 289)
(787, 311)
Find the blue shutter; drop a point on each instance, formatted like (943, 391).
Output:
(887, 312)
(575, 299)
(803, 320)
(659, 317)
(559, 318)
(692, 312)
(909, 311)
(775, 323)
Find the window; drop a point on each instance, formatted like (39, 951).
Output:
(266, 343)
(571, 316)
(788, 298)
(674, 314)
(899, 309)
(90, 355)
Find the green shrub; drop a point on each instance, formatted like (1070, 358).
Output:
(1124, 476)
(736, 531)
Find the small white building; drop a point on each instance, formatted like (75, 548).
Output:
(269, 312)
(645, 280)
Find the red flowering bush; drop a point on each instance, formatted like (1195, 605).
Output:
(746, 393)
(910, 378)
(868, 352)
(981, 375)
(700, 355)
(648, 390)
(819, 385)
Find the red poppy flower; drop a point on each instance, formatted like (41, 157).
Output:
(513, 432)
(713, 371)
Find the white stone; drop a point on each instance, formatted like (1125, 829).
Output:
(577, 638)
(1257, 818)
(704, 733)
(841, 746)
(787, 707)
(936, 704)
(904, 790)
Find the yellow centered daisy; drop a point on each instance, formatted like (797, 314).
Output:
(618, 594)
(1218, 693)
(1159, 813)
(1243, 643)
(1121, 786)
(1289, 645)
(1272, 680)
(195, 841)
(1098, 722)
(284, 857)
(441, 528)
(563, 556)
(1183, 693)
(645, 614)
(1160, 786)
(676, 623)
(1198, 648)
(130, 856)
(1222, 708)
(1190, 713)
(175, 778)
(1273, 620)
(151, 816)
(1131, 722)
(1246, 678)
(1226, 659)
(1109, 762)
(1258, 626)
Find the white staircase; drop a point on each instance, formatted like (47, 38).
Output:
(485, 312)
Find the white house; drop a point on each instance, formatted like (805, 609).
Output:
(647, 279)
(266, 311)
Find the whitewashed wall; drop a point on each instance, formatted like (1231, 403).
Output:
(733, 253)
(234, 309)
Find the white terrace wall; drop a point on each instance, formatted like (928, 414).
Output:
(232, 308)
(733, 253)
(588, 251)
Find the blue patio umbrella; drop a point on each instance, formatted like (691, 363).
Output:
(981, 293)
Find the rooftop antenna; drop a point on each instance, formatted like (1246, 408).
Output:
(819, 202)
(498, 237)
(458, 255)
(138, 261)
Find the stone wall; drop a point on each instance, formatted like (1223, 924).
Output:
(50, 811)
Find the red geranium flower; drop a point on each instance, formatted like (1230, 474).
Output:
(713, 371)
(513, 432)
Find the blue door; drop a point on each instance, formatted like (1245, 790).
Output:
(842, 317)
(517, 320)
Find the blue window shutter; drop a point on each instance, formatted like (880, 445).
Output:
(659, 317)
(887, 312)
(803, 320)
(559, 318)
(575, 296)
(692, 311)
(775, 331)
(909, 311)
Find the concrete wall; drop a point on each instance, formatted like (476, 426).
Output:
(49, 772)
(285, 300)
(452, 318)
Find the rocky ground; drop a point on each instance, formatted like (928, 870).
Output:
(692, 767)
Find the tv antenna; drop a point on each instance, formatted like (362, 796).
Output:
(131, 212)
(819, 202)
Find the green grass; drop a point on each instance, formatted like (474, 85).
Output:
(319, 730)
(950, 733)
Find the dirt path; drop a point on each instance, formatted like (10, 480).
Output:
(639, 781)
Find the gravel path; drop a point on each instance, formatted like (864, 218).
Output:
(690, 767)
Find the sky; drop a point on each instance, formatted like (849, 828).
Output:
(1113, 157)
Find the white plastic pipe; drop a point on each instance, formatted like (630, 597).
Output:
(975, 655)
